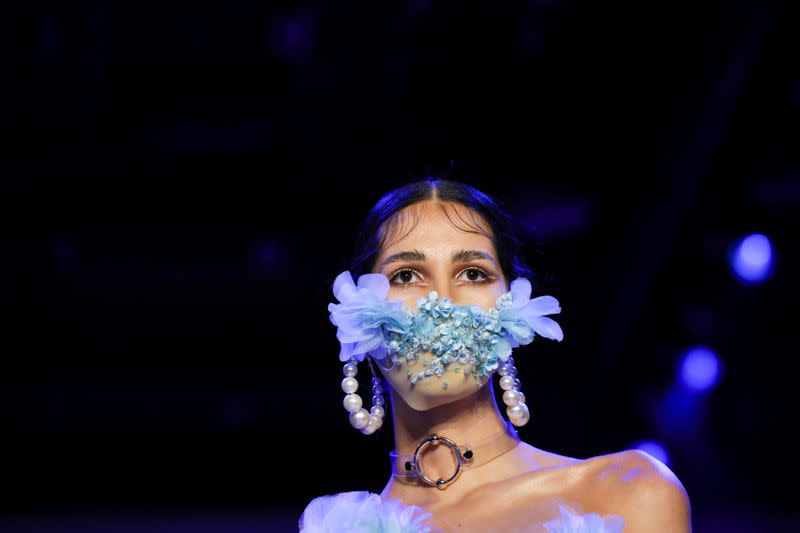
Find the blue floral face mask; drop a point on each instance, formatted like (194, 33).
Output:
(461, 338)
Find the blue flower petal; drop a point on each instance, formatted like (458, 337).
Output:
(520, 290)
(542, 305)
(377, 284)
(547, 327)
(502, 349)
(369, 323)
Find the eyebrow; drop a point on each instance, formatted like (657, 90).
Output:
(461, 256)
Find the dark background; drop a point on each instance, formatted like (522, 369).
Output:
(180, 184)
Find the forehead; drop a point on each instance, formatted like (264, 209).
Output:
(436, 226)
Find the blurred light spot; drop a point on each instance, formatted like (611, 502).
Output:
(292, 36)
(270, 255)
(678, 416)
(699, 369)
(267, 255)
(551, 221)
(655, 449)
(751, 259)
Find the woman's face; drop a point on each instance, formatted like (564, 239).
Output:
(456, 263)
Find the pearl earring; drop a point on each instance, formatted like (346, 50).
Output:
(517, 411)
(365, 421)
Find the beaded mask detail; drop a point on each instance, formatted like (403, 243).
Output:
(462, 338)
(458, 336)
(465, 335)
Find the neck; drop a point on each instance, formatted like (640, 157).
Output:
(468, 420)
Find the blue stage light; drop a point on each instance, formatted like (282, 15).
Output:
(699, 369)
(751, 259)
(655, 449)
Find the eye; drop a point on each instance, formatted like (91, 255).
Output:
(476, 272)
(405, 274)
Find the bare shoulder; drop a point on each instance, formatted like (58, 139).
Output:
(640, 488)
(631, 484)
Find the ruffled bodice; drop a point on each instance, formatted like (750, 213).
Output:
(571, 521)
(361, 512)
(366, 512)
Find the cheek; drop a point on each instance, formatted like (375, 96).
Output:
(408, 297)
(394, 375)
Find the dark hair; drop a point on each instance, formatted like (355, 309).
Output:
(382, 218)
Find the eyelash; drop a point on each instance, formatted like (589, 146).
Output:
(473, 283)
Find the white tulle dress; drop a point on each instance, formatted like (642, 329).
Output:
(367, 512)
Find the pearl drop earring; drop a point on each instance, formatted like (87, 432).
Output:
(516, 409)
(365, 421)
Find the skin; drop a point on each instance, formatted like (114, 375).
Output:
(521, 489)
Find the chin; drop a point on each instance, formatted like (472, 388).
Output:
(430, 392)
